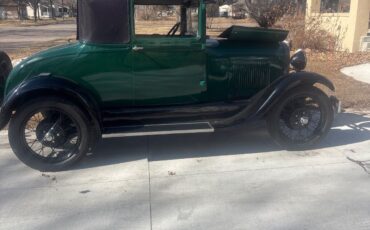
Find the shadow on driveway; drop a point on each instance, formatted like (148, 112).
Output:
(348, 128)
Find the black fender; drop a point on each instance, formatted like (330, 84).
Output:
(263, 101)
(45, 85)
(276, 90)
(5, 68)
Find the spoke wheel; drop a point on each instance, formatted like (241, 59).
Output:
(50, 134)
(301, 118)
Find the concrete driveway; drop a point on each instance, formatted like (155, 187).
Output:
(231, 180)
(358, 72)
(33, 36)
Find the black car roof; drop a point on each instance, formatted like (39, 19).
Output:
(108, 21)
(103, 21)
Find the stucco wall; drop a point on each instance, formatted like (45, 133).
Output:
(336, 24)
(352, 25)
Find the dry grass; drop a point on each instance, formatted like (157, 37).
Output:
(25, 52)
(217, 26)
(352, 93)
(40, 22)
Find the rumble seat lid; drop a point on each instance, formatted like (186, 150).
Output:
(256, 34)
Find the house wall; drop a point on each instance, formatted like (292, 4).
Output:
(351, 26)
(8, 12)
(30, 12)
(57, 10)
(31, 15)
(2, 13)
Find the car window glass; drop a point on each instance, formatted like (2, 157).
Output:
(166, 20)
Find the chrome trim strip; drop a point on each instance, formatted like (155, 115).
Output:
(164, 132)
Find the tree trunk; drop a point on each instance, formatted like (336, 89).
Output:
(35, 13)
(19, 12)
(38, 12)
(63, 9)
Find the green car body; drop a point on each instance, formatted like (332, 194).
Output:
(158, 71)
(167, 72)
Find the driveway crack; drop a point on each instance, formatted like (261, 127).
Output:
(149, 182)
(362, 164)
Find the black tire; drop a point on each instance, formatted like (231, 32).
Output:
(279, 123)
(5, 67)
(73, 119)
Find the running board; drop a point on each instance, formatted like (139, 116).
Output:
(158, 129)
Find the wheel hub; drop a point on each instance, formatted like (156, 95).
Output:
(299, 119)
(304, 120)
(50, 134)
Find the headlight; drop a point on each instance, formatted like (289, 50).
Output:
(299, 60)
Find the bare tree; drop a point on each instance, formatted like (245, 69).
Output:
(72, 4)
(34, 4)
(51, 7)
(268, 12)
(21, 5)
(212, 10)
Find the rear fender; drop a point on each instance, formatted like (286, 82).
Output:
(45, 85)
(5, 68)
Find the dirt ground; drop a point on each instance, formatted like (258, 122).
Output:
(354, 94)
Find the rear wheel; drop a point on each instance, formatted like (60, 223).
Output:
(5, 67)
(49, 135)
(301, 118)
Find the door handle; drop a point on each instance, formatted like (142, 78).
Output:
(137, 48)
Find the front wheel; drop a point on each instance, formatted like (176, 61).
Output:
(49, 135)
(301, 118)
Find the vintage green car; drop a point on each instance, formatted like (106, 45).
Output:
(120, 80)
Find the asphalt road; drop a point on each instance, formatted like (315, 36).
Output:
(231, 180)
(33, 36)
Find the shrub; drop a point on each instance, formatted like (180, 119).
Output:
(268, 12)
(309, 32)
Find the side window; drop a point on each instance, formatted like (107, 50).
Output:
(335, 6)
(166, 20)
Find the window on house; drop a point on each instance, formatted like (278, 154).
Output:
(44, 11)
(335, 6)
(166, 20)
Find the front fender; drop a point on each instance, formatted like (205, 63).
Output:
(262, 102)
(276, 90)
(46, 85)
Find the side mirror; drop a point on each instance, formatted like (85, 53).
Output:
(299, 60)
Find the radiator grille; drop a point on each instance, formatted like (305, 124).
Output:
(251, 75)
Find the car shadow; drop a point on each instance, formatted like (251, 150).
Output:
(348, 128)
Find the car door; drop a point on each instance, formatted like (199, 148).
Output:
(168, 71)
(106, 70)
